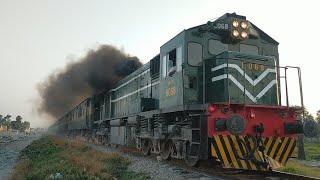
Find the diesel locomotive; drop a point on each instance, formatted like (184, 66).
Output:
(212, 93)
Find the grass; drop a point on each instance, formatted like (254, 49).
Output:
(296, 167)
(55, 158)
(312, 151)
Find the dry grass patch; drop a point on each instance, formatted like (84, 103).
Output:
(53, 158)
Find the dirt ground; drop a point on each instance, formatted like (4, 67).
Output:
(10, 146)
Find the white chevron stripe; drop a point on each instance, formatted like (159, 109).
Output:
(265, 90)
(252, 82)
(240, 86)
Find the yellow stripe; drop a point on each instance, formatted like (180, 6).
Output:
(274, 148)
(287, 151)
(285, 141)
(237, 147)
(268, 144)
(274, 164)
(220, 147)
(271, 163)
(213, 152)
(251, 164)
(234, 161)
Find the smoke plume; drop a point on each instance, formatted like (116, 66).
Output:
(95, 72)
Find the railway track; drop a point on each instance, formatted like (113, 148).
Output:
(285, 175)
(211, 169)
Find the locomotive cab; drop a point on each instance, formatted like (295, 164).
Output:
(231, 39)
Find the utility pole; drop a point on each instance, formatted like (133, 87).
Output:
(301, 153)
(310, 129)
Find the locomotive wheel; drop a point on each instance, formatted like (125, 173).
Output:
(189, 159)
(146, 147)
(166, 150)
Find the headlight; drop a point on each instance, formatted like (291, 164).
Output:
(244, 25)
(244, 34)
(236, 124)
(235, 33)
(235, 24)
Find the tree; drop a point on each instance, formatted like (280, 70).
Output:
(7, 121)
(25, 125)
(7, 117)
(318, 117)
(1, 119)
(18, 118)
(307, 115)
(17, 124)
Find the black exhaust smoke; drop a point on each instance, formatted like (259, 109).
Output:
(97, 71)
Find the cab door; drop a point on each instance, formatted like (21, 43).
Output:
(171, 82)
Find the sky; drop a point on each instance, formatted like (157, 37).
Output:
(38, 37)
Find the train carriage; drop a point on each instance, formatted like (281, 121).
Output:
(213, 93)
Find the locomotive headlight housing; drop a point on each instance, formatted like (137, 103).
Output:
(244, 25)
(235, 33)
(244, 34)
(235, 23)
(239, 29)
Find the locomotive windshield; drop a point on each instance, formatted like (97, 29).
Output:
(194, 53)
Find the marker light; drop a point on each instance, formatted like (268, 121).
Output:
(244, 34)
(235, 33)
(244, 25)
(235, 24)
(252, 114)
(212, 108)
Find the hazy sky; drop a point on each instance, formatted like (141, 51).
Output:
(40, 36)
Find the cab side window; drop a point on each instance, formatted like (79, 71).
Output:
(171, 62)
(216, 46)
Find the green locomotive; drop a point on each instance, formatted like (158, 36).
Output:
(213, 92)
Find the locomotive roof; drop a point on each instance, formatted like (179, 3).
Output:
(132, 75)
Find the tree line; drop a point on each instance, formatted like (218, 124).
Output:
(18, 124)
(308, 117)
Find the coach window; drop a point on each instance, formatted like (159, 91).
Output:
(194, 53)
(216, 46)
(249, 49)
